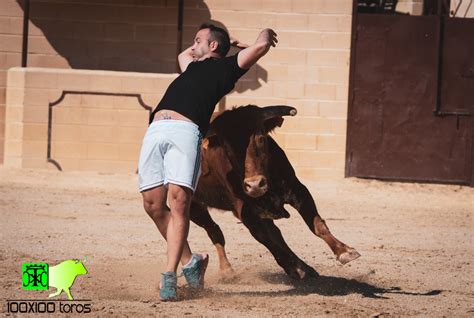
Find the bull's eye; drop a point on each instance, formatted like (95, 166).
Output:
(260, 140)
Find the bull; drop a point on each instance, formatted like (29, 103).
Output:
(246, 172)
(63, 275)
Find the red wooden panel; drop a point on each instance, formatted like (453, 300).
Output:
(392, 130)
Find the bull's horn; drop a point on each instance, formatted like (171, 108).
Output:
(85, 259)
(278, 110)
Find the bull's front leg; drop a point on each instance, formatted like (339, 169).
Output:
(267, 233)
(199, 214)
(300, 198)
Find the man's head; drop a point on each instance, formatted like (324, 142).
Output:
(210, 41)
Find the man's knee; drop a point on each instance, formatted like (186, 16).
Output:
(151, 206)
(155, 207)
(180, 197)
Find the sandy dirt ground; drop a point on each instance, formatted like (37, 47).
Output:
(416, 243)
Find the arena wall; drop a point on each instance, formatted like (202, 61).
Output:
(309, 70)
(101, 131)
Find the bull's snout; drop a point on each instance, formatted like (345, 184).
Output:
(255, 186)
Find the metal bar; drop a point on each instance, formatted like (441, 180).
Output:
(442, 113)
(468, 8)
(179, 40)
(470, 166)
(457, 8)
(439, 7)
(418, 180)
(26, 20)
(347, 170)
(440, 60)
(437, 111)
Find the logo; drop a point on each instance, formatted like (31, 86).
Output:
(63, 275)
(35, 276)
(41, 276)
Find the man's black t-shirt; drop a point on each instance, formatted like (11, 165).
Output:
(195, 93)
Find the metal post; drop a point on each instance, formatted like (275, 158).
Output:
(26, 20)
(179, 40)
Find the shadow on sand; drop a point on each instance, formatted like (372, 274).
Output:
(322, 285)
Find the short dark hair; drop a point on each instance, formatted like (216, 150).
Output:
(220, 36)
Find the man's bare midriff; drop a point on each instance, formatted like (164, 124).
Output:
(166, 114)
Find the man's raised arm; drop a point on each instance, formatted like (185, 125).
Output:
(249, 56)
(184, 58)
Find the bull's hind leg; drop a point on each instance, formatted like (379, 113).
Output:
(200, 216)
(68, 292)
(266, 232)
(301, 200)
(56, 293)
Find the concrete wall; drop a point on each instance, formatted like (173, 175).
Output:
(83, 34)
(309, 69)
(10, 53)
(465, 9)
(413, 7)
(89, 132)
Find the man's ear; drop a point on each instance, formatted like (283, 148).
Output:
(213, 46)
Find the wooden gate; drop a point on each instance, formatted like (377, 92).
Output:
(411, 99)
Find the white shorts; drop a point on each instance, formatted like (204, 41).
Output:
(171, 153)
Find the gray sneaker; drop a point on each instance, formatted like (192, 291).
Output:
(168, 284)
(194, 274)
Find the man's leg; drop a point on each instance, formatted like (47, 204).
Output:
(179, 199)
(154, 202)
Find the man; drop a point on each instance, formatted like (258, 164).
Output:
(169, 164)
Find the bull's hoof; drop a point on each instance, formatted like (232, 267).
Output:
(348, 256)
(302, 272)
(227, 275)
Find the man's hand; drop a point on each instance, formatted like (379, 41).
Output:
(267, 37)
(250, 55)
(236, 43)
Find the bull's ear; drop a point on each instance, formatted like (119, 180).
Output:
(211, 140)
(205, 143)
(271, 123)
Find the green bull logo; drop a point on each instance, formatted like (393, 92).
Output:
(63, 275)
(39, 276)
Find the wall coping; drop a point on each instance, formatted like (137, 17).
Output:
(48, 70)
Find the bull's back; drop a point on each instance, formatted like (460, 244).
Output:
(59, 277)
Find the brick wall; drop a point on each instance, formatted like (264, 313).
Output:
(308, 69)
(413, 7)
(89, 132)
(84, 34)
(11, 20)
(136, 36)
(465, 9)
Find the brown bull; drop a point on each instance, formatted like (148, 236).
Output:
(246, 172)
